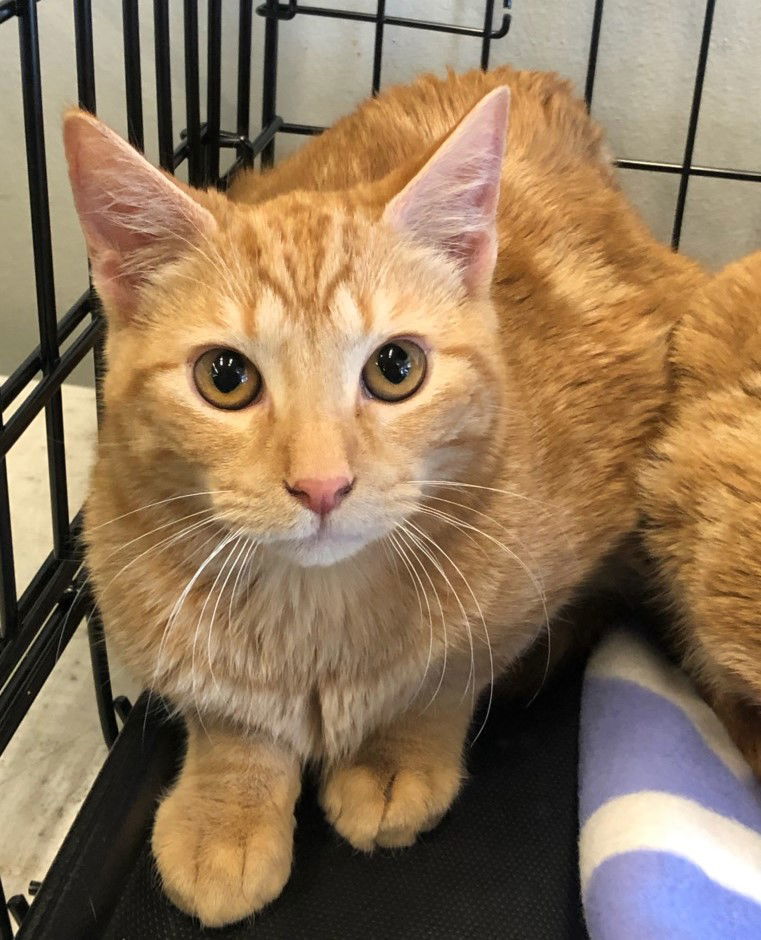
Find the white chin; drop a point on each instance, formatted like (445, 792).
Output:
(323, 552)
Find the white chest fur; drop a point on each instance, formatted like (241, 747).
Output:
(316, 665)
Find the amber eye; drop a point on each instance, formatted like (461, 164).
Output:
(226, 379)
(395, 370)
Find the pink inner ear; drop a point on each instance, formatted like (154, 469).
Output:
(451, 204)
(134, 218)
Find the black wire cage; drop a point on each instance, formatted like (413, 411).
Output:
(37, 623)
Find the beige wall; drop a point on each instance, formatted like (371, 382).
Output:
(646, 65)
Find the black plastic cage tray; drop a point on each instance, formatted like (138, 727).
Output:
(504, 862)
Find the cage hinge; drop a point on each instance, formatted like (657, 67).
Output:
(279, 11)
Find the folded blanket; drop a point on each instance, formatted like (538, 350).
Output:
(670, 814)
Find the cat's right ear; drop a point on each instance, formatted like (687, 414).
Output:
(135, 219)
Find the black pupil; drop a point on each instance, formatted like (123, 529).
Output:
(394, 363)
(228, 371)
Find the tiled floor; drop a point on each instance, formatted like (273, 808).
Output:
(49, 765)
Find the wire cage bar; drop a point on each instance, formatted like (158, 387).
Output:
(55, 601)
(39, 208)
(36, 625)
(199, 144)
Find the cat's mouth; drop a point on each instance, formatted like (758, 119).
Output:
(327, 534)
(325, 545)
(320, 542)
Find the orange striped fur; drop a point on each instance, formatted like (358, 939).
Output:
(540, 399)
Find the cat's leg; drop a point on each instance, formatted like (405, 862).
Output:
(742, 719)
(725, 665)
(223, 837)
(402, 780)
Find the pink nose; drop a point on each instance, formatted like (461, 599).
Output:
(321, 496)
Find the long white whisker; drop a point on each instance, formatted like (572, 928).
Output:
(409, 545)
(426, 551)
(196, 527)
(233, 537)
(159, 528)
(174, 613)
(551, 511)
(160, 502)
(392, 557)
(72, 605)
(419, 589)
(539, 587)
(160, 546)
(250, 545)
(250, 573)
(484, 515)
(460, 524)
(471, 681)
(476, 486)
(219, 598)
(425, 535)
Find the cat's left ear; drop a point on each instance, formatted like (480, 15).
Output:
(451, 204)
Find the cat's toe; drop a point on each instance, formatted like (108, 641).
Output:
(220, 870)
(373, 807)
(416, 803)
(354, 800)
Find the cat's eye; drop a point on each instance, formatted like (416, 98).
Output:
(395, 370)
(226, 379)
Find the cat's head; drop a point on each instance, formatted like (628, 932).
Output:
(717, 345)
(307, 362)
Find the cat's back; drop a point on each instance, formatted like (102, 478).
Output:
(404, 123)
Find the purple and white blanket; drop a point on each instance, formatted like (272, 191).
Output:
(670, 815)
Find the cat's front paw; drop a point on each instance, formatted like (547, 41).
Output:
(221, 862)
(374, 803)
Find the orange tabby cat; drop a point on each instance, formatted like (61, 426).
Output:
(702, 498)
(368, 423)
